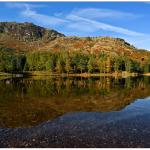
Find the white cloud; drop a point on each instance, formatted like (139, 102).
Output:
(23, 5)
(28, 12)
(147, 2)
(43, 19)
(82, 26)
(81, 20)
(104, 26)
(95, 13)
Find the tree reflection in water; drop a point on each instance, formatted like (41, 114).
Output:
(26, 102)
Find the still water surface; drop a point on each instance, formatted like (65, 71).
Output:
(75, 112)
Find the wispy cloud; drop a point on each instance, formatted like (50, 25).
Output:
(147, 2)
(95, 13)
(23, 5)
(41, 18)
(103, 26)
(28, 12)
(84, 20)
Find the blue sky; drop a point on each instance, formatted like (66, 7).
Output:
(128, 20)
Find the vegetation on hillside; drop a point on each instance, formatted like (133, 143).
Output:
(27, 47)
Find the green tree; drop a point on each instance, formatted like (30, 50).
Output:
(50, 63)
(59, 64)
(75, 62)
(90, 64)
(68, 65)
(102, 62)
(128, 65)
(21, 61)
(116, 64)
(108, 65)
(83, 63)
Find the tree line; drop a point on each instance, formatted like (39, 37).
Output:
(64, 62)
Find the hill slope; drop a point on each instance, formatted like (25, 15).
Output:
(108, 45)
(27, 37)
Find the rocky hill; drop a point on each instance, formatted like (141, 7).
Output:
(27, 31)
(27, 37)
(96, 45)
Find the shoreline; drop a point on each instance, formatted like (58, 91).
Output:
(146, 74)
(86, 75)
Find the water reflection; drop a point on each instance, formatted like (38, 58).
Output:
(26, 102)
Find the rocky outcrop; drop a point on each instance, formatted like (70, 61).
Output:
(28, 31)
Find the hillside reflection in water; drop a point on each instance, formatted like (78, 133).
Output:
(26, 102)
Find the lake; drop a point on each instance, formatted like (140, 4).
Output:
(75, 112)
